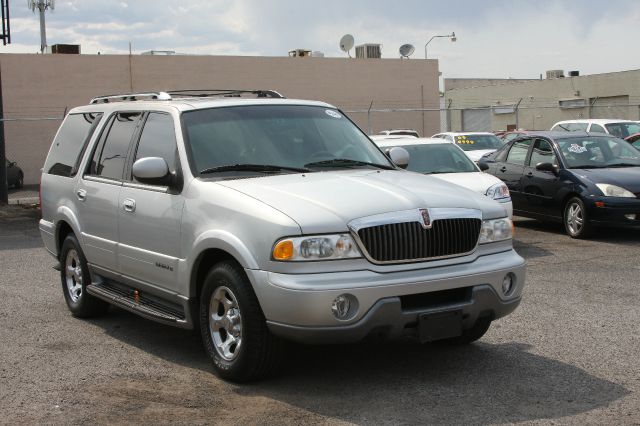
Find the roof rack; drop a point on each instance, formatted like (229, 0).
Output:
(195, 93)
(161, 96)
(230, 93)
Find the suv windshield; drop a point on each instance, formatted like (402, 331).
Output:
(622, 130)
(282, 137)
(438, 158)
(478, 142)
(598, 152)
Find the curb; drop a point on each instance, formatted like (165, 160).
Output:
(24, 201)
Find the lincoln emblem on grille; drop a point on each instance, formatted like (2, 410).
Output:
(426, 220)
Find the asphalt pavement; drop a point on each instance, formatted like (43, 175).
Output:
(568, 355)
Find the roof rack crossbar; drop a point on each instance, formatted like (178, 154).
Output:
(123, 97)
(203, 93)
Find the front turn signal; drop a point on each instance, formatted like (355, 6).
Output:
(283, 250)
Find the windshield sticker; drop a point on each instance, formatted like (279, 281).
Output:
(577, 148)
(463, 140)
(332, 113)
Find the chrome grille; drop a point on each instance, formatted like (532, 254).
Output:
(410, 241)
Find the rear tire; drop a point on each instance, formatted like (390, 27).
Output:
(576, 221)
(233, 328)
(74, 274)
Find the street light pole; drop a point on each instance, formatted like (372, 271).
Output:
(451, 36)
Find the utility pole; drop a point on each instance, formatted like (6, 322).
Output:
(42, 5)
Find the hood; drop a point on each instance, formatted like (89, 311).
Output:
(326, 201)
(476, 155)
(475, 181)
(625, 177)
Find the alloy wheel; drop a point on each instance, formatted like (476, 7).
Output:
(225, 323)
(73, 275)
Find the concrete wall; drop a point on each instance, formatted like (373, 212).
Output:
(37, 86)
(539, 106)
(462, 83)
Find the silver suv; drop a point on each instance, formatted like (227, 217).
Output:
(255, 218)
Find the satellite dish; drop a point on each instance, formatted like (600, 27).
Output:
(346, 43)
(406, 50)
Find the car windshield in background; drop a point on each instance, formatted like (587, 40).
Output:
(622, 130)
(438, 158)
(282, 137)
(478, 142)
(598, 152)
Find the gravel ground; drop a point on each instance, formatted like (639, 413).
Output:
(568, 355)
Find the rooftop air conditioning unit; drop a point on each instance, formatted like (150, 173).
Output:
(300, 53)
(369, 50)
(551, 74)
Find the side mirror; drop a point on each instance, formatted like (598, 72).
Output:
(546, 167)
(399, 156)
(152, 171)
(483, 166)
(12, 163)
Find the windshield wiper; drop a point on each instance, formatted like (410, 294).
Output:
(587, 166)
(345, 162)
(253, 168)
(623, 165)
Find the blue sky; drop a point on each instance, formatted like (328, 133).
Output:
(516, 38)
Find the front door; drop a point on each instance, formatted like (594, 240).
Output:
(149, 216)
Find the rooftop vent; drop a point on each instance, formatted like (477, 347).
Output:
(574, 73)
(369, 50)
(70, 49)
(300, 53)
(551, 74)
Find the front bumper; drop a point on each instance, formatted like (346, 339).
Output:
(614, 211)
(299, 306)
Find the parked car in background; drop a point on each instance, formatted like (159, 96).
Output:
(15, 176)
(447, 161)
(400, 132)
(581, 179)
(508, 136)
(618, 128)
(634, 140)
(474, 144)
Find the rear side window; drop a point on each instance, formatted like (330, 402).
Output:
(70, 142)
(110, 154)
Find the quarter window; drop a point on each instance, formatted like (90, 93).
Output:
(518, 152)
(158, 139)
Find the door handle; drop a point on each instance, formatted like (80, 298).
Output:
(82, 194)
(503, 169)
(129, 204)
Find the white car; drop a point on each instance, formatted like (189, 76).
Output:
(618, 128)
(448, 162)
(475, 144)
(400, 132)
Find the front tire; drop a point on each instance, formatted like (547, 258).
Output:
(576, 220)
(233, 328)
(75, 277)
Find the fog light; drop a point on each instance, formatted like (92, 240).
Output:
(507, 284)
(631, 216)
(344, 307)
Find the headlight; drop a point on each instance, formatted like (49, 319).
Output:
(316, 247)
(496, 230)
(614, 191)
(499, 191)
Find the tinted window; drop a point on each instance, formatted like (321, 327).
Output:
(542, 153)
(113, 152)
(158, 139)
(597, 128)
(622, 130)
(518, 152)
(64, 156)
(438, 158)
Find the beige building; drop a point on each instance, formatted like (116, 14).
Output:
(37, 90)
(492, 105)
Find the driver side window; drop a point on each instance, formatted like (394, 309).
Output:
(542, 153)
(518, 152)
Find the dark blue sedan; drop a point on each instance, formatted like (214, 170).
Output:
(582, 179)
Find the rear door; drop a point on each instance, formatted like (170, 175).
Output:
(540, 187)
(98, 190)
(511, 169)
(149, 216)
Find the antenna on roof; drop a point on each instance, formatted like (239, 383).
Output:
(406, 50)
(41, 5)
(346, 43)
